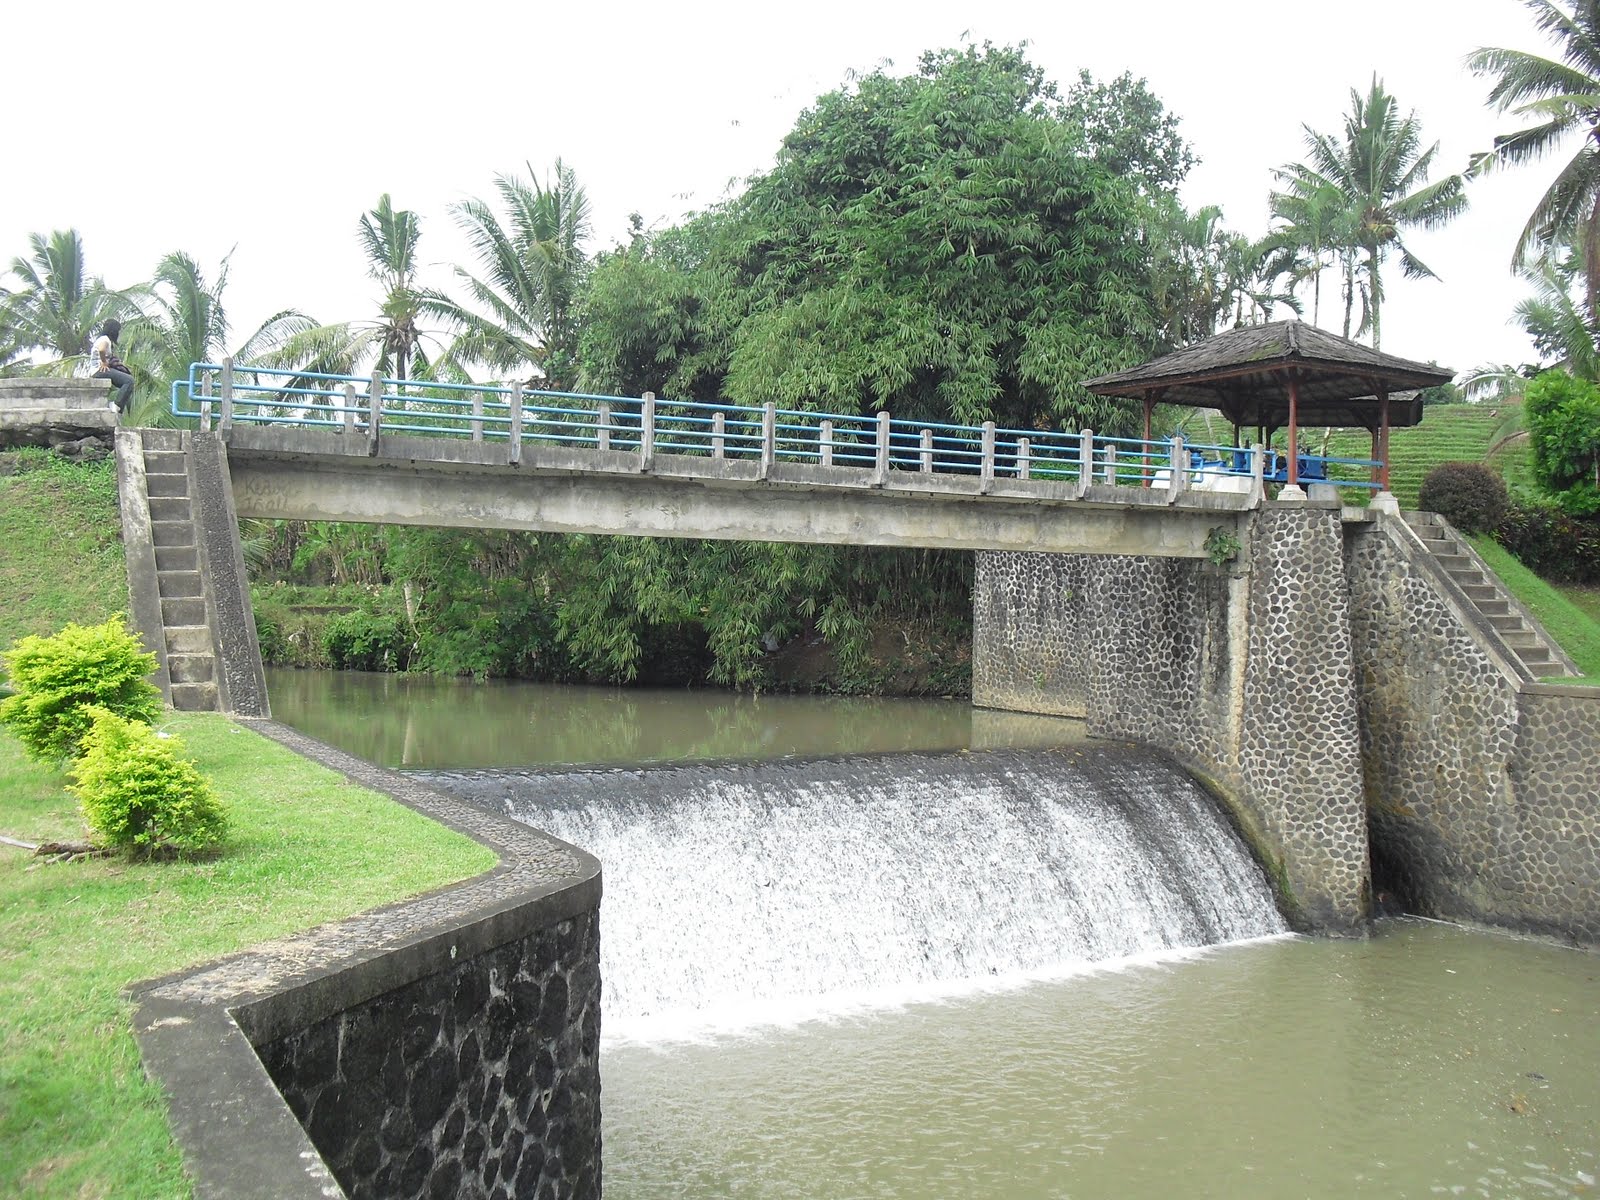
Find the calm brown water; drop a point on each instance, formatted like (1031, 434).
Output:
(421, 723)
(1426, 1061)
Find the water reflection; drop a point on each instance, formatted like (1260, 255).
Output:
(425, 723)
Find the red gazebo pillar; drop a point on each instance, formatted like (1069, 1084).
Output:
(1383, 437)
(1294, 429)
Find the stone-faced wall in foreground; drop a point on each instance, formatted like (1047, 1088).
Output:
(1244, 674)
(1484, 791)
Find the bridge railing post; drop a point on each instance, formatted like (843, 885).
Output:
(927, 452)
(1178, 479)
(1024, 449)
(1109, 457)
(825, 443)
(514, 436)
(719, 435)
(769, 438)
(1085, 461)
(374, 413)
(205, 400)
(477, 416)
(225, 417)
(986, 471)
(1258, 474)
(349, 415)
(647, 431)
(602, 427)
(880, 468)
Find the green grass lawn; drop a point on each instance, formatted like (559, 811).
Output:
(77, 1116)
(1570, 615)
(61, 516)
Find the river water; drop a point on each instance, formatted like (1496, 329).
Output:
(869, 1060)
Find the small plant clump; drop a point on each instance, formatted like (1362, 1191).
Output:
(1468, 495)
(139, 794)
(56, 679)
(1220, 545)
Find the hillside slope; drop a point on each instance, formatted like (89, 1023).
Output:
(61, 516)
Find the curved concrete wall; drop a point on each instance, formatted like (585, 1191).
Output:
(446, 1045)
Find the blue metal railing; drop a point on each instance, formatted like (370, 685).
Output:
(647, 425)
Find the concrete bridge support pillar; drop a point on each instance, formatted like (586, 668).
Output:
(1243, 673)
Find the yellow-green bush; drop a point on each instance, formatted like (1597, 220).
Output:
(56, 678)
(139, 793)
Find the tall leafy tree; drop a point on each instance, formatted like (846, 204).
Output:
(1379, 170)
(521, 309)
(944, 244)
(58, 306)
(1559, 97)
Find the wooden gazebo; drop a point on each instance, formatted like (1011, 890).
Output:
(1283, 374)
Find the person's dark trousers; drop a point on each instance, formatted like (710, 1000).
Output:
(124, 383)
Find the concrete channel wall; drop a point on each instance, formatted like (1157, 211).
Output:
(1242, 672)
(444, 1046)
(1326, 686)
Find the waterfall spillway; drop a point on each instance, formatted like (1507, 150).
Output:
(753, 883)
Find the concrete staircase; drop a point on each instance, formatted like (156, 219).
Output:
(191, 657)
(1521, 636)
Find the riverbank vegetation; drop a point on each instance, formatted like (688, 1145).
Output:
(78, 1116)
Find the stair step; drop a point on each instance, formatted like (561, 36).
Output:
(1504, 622)
(172, 533)
(1520, 639)
(186, 611)
(1479, 591)
(175, 585)
(1495, 608)
(188, 639)
(169, 508)
(195, 697)
(177, 558)
(163, 485)
(158, 440)
(164, 462)
(191, 668)
(1456, 563)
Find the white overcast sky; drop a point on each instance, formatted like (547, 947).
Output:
(267, 129)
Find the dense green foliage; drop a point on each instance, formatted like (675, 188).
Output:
(1467, 494)
(946, 245)
(57, 679)
(1563, 419)
(137, 791)
(1545, 539)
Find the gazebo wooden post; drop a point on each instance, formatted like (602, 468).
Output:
(1294, 428)
(1144, 451)
(1383, 437)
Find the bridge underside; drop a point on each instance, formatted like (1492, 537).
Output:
(325, 476)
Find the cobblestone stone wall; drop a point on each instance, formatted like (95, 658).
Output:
(1245, 674)
(480, 1082)
(1484, 793)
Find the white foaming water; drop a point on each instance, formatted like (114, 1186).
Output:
(751, 893)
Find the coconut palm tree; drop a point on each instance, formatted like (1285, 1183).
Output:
(393, 343)
(1559, 96)
(180, 320)
(520, 312)
(1306, 234)
(59, 306)
(1380, 172)
(1563, 330)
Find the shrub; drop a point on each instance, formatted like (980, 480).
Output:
(56, 678)
(137, 792)
(368, 641)
(1468, 495)
(1552, 544)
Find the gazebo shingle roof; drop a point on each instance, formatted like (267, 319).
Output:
(1245, 373)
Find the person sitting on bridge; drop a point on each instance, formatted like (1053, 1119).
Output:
(109, 366)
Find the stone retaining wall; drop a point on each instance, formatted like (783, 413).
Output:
(1484, 791)
(443, 1046)
(1244, 674)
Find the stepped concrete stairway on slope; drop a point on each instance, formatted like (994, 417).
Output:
(186, 581)
(1522, 640)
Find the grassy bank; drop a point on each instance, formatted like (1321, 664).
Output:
(62, 554)
(77, 1117)
(1572, 622)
